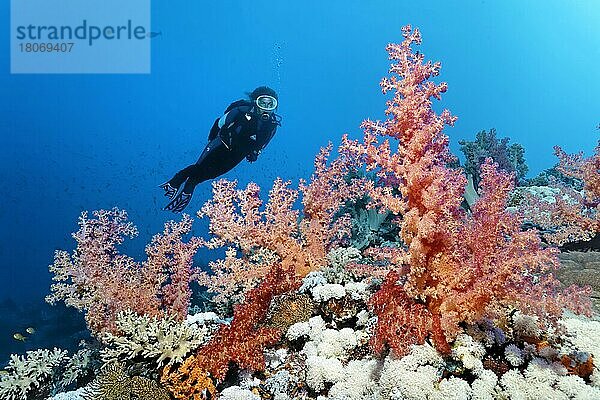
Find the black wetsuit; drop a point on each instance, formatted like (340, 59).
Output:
(240, 133)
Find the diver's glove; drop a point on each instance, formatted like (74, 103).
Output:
(170, 191)
(179, 203)
(253, 155)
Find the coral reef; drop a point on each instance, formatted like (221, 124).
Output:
(427, 301)
(322, 360)
(510, 159)
(458, 268)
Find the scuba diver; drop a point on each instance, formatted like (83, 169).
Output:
(245, 128)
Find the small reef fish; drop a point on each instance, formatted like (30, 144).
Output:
(18, 336)
(3, 372)
(30, 330)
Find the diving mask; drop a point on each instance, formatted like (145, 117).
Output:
(266, 103)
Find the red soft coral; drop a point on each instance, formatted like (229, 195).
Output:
(242, 342)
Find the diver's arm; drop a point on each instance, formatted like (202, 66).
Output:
(214, 130)
(254, 153)
(219, 122)
(229, 118)
(230, 114)
(231, 125)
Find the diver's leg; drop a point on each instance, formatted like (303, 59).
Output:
(215, 160)
(171, 187)
(213, 163)
(181, 176)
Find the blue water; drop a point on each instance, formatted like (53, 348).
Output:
(83, 142)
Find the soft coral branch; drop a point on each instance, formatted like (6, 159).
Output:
(259, 235)
(570, 215)
(585, 169)
(458, 268)
(242, 342)
(99, 280)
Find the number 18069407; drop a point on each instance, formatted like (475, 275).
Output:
(46, 47)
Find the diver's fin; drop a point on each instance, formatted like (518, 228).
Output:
(170, 191)
(179, 203)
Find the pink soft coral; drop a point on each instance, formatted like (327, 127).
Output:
(100, 281)
(456, 268)
(259, 236)
(569, 215)
(585, 169)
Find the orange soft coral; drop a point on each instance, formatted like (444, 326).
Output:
(457, 268)
(259, 236)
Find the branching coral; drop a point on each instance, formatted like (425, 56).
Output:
(457, 268)
(30, 373)
(79, 366)
(100, 281)
(152, 340)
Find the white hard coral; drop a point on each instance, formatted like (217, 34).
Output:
(321, 370)
(237, 393)
(337, 344)
(358, 381)
(30, 372)
(469, 352)
(544, 380)
(159, 341)
(323, 293)
(412, 376)
(583, 335)
(279, 384)
(325, 351)
(514, 355)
